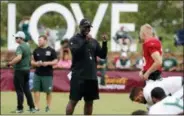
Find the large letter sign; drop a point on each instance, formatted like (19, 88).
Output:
(115, 21)
(71, 23)
(97, 20)
(11, 26)
(48, 8)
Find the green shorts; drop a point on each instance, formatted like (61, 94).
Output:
(42, 83)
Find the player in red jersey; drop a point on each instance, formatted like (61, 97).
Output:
(152, 54)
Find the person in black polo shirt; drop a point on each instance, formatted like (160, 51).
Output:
(44, 58)
(84, 82)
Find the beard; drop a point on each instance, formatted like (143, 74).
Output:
(85, 30)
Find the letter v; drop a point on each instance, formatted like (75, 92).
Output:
(97, 20)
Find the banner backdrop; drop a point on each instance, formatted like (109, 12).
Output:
(116, 81)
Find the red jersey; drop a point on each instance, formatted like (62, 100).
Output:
(150, 46)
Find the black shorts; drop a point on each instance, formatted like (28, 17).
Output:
(88, 89)
(154, 75)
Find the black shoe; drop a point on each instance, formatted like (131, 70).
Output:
(17, 111)
(32, 110)
(47, 109)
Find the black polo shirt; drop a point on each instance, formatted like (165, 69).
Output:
(84, 55)
(44, 54)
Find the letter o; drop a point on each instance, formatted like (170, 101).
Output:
(48, 8)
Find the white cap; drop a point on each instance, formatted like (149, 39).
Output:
(20, 34)
(124, 54)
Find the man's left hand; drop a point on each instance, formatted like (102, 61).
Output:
(104, 37)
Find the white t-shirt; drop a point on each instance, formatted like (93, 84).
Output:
(170, 105)
(179, 93)
(170, 85)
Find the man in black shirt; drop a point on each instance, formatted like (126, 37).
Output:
(84, 82)
(44, 58)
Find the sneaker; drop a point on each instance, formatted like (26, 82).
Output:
(32, 110)
(37, 110)
(47, 109)
(17, 111)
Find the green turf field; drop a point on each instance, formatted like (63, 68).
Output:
(108, 104)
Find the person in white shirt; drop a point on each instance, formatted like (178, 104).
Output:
(164, 104)
(143, 95)
(139, 63)
(123, 62)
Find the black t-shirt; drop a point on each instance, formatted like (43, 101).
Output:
(44, 54)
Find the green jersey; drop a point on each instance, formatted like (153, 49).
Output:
(24, 50)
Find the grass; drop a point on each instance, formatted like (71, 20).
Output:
(108, 104)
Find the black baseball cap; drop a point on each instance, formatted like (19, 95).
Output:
(85, 23)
